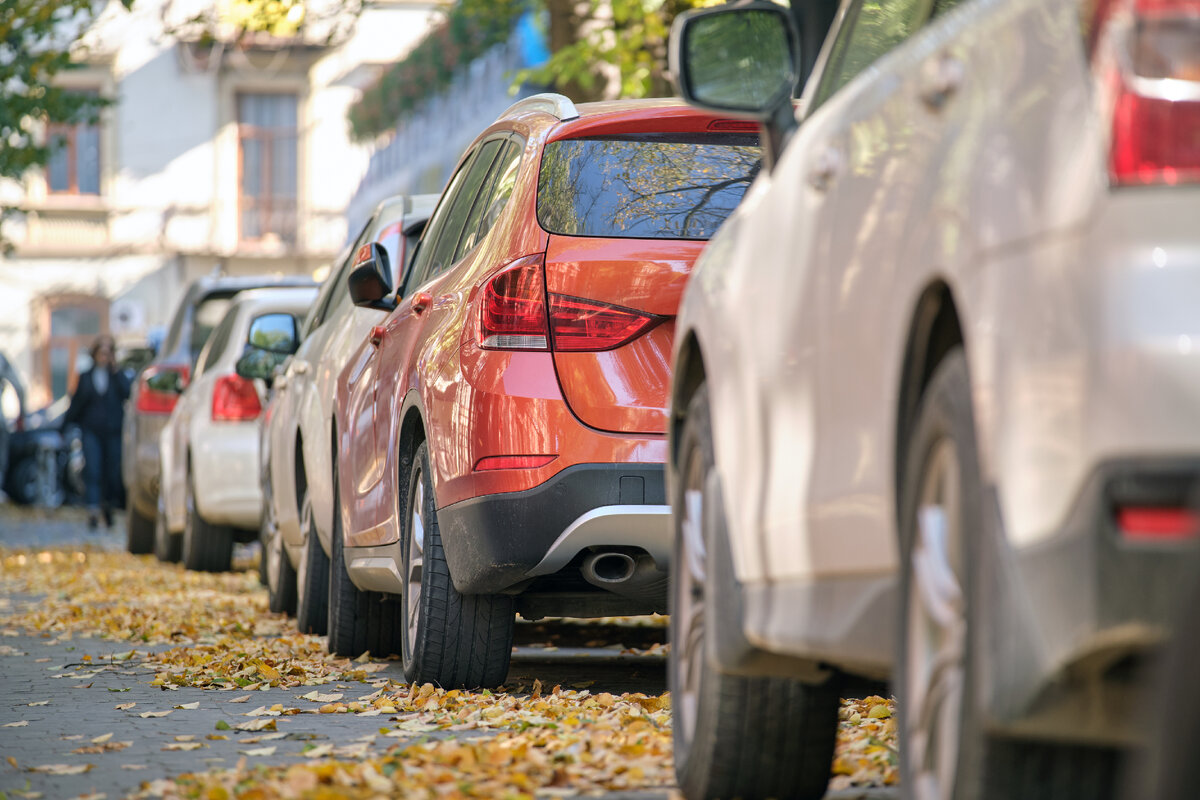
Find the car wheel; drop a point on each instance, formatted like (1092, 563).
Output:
(276, 568)
(449, 639)
(206, 548)
(358, 621)
(943, 747)
(23, 481)
(944, 750)
(168, 547)
(139, 529)
(734, 736)
(312, 576)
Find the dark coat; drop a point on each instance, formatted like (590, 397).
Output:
(98, 413)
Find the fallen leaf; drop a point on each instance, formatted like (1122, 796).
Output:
(124, 706)
(260, 751)
(244, 698)
(189, 706)
(20, 724)
(148, 714)
(63, 769)
(183, 746)
(102, 738)
(222, 725)
(133, 766)
(39, 703)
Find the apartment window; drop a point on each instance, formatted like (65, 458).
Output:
(74, 165)
(268, 166)
(74, 321)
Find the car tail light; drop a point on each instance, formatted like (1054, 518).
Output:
(512, 462)
(1150, 50)
(159, 389)
(1157, 524)
(513, 307)
(589, 325)
(235, 399)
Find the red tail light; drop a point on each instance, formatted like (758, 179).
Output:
(159, 389)
(589, 325)
(1151, 54)
(513, 313)
(1156, 524)
(235, 399)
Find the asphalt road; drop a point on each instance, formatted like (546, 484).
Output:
(54, 703)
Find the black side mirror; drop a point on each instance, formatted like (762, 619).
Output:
(369, 284)
(258, 363)
(742, 60)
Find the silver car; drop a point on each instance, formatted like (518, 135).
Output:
(936, 391)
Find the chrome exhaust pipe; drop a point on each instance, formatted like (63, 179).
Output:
(608, 569)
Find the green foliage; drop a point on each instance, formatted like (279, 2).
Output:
(470, 28)
(628, 37)
(36, 36)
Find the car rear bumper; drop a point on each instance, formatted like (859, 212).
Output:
(144, 461)
(226, 473)
(1079, 612)
(495, 543)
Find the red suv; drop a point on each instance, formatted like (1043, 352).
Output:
(500, 438)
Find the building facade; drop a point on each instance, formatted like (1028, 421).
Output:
(217, 154)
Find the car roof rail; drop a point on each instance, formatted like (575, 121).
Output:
(556, 105)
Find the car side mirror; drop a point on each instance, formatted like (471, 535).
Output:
(369, 279)
(271, 340)
(742, 60)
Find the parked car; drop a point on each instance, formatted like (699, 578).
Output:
(500, 435)
(209, 447)
(157, 388)
(297, 435)
(940, 360)
(12, 411)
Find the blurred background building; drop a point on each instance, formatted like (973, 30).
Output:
(218, 153)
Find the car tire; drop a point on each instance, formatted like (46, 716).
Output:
(359, 621)
(942, 747)
(276, 568)
(206, 547)
(22, 484)
(448, 639)
(734, 736)
(312, 576)
(139, 530)
(168, 547)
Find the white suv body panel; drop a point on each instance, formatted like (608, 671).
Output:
(305, 401)
(1076, 303)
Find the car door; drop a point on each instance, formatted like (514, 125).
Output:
(375, 498)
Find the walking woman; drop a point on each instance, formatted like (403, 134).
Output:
(97, 407)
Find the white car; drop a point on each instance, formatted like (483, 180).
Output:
(297, 437)
(210, 493)
(935, 392)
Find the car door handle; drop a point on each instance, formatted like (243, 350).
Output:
(941, 78)
(300, 367)
(280, 383)
(420, 302)
(377, 334)
(825, 168)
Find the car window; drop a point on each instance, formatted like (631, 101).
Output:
(493, 196)
(334, 286)
(428, 241)
(870, 30)
(208, 313)
(657, 186)
(219, 340)
(463, 201)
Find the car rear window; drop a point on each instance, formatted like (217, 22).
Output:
(208, 315)
(679, 186)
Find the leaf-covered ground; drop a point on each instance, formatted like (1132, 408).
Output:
(214, 632)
